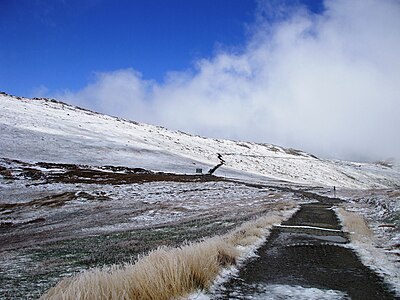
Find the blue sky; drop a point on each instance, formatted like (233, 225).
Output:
(58, 44)
(321, 76)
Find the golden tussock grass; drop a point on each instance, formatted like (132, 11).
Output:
(355, 224)
(165, 273)
(249, 232)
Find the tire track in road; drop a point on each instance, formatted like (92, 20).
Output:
(299, 253)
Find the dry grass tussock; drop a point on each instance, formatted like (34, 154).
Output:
(166, 273)
(355, 224)
(250, 232)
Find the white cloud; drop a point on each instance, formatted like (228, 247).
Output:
(40, 91)
(328, 84)
(119, 93)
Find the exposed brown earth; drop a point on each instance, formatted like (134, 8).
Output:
(72, 173)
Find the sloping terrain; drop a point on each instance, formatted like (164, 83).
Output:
(54, 223)
(36, 130)
(80, 189)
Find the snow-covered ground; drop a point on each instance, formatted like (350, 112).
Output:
(379, 248)
(35, 210)
(50, 230)
(62, 209)
(44, 130)
(277, 292)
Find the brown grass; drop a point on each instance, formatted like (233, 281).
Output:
(165, 273)
(250, 232)
(355, 225)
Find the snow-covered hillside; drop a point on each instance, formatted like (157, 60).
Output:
(47, 130)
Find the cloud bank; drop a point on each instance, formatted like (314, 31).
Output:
(328, 84)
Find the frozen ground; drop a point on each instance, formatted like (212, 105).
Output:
(47, 130)
(61, 209)
(77, 209)
(301, 254)
(53, 224)
(380, 250)
(280, 292)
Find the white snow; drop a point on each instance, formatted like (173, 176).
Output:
(308, 227)
(130, 206)
(42, 130)
(381, 250)
(273, 292)
(279, 292)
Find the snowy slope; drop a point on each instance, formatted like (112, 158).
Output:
(46, 130)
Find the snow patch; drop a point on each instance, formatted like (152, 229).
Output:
(44, 130)
(371, 254)
(274, 292)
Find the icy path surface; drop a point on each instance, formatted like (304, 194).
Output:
(300, 261)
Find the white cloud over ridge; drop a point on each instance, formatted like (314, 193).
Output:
(328, 84)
